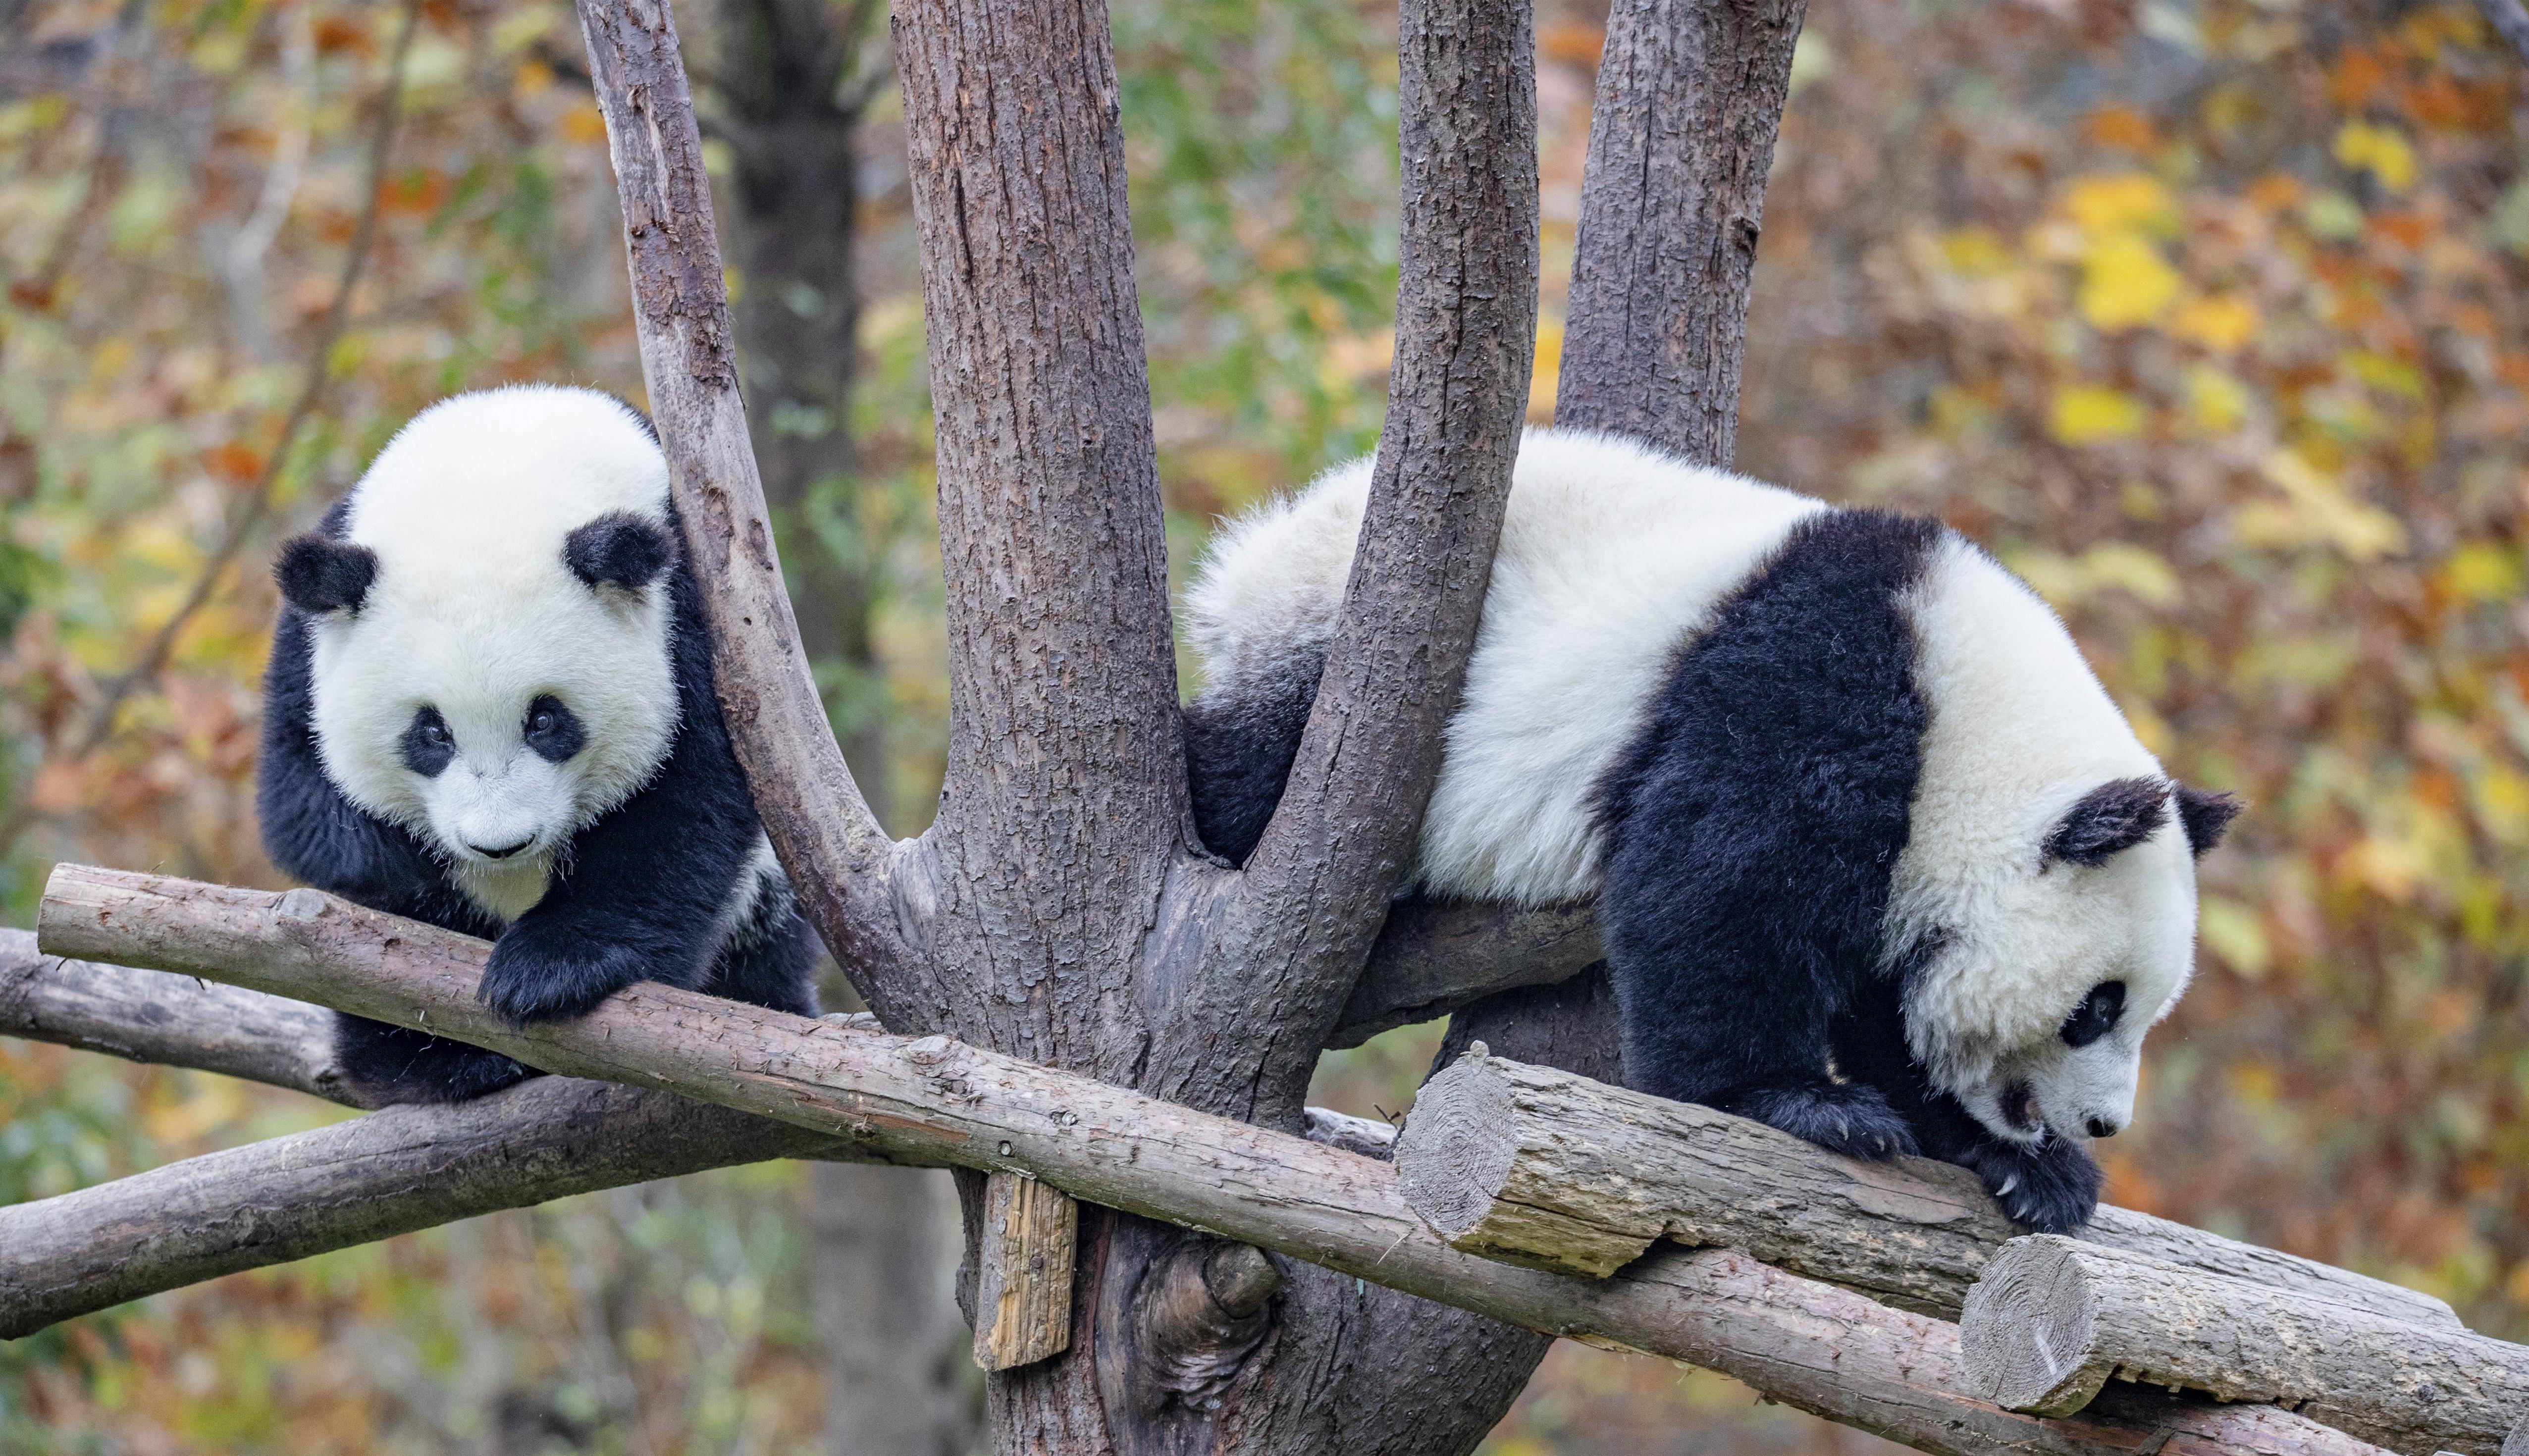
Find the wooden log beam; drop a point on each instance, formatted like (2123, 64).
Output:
(2054, 1318)
(390, 1172)
(1802, 1342)
(1542, 1167)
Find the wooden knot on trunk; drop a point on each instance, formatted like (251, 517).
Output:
(1203, 1309)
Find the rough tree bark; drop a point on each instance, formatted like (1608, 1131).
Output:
(2054, 1318)
(935, 1100)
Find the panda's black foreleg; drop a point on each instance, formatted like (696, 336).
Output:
(771, 960)
(2051, 1187)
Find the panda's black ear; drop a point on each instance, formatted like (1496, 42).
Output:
(619, 549)
(318, 574)
(2116, 815)
(2206, 815)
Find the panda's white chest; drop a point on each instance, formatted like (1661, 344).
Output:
(505, 891)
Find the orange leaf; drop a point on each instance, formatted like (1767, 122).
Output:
(237, 465)
(2122, 127)
(1573, 42)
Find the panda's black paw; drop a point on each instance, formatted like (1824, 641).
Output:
(1847, 1117)
(538, 974)
(2051, 1187)
(390, 1064)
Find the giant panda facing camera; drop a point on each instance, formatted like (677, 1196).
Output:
(1877, 859)
(490, 707)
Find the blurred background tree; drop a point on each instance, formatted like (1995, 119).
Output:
(2200, 314)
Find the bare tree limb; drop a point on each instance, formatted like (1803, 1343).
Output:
(1682, 135)
(1345, 835)
(934, 1100)
(2054, 1318)
(390, 1172)
(153, 1016)
(839, 858)
(1542, 1167)
(1435, 956)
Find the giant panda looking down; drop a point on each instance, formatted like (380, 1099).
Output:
(1877, 860)
(490, 707)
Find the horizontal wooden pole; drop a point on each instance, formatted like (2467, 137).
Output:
(1540, 1167)
(2054, 1318)
(1798, 1341)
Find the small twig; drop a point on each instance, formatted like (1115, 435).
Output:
(2509, 20)
(311, 394)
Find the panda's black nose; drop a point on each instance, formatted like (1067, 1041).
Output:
(2100, 1127)
(506, 850)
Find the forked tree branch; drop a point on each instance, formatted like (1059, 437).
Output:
(934, 1100)
(408, 1168)
(1345, 835)
(828, 840)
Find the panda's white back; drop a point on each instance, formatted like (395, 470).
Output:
(1612, 557)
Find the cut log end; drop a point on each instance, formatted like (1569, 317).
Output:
(2026, 1331)
(1457, 1162)
(1023, 1287)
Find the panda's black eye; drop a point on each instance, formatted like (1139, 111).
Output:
(553, 729)
(428, 747)
(2096, 1015)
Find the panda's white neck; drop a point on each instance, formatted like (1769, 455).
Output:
(509, 889)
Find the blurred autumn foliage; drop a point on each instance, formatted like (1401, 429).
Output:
(2203, 315)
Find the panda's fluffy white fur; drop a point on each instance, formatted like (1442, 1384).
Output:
(490, 706)
(1764, 697)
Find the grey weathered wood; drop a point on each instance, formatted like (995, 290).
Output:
(1539, 1166)
(2510, 21)
(1434, 956)
(921, 1099)
(1023, 1272)
(145, 1016)
(390, 1172)
(1682, 135)
(837, 857)
(2517, 1442)
(1343, 838)
(2054, 1318)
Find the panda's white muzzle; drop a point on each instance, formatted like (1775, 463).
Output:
(520, 809)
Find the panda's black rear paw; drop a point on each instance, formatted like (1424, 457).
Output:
(2051, 1187)
(1847, 1117)
(392, 1064)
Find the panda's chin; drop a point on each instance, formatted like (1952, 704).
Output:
(2010, 1112)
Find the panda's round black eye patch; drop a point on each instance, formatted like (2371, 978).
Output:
(553, 731)
(428, 746)
(2096, 1015)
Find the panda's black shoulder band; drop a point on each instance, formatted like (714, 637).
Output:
(318, 573)
(619, 549)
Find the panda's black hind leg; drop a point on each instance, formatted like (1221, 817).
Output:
(389, 1065)
(773, 964)
(1847, 1117)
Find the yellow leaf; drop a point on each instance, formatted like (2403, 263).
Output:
(2216, 403)
(2087, 413)
(2483, 572)
(2221, 324)
(1542, 374)
(2502, 804)
(2120, 202)
(2236, 933)
(584, 126)
(2382, 151)
(2316, 510)
(1974, 252)
(2126, 567)
(2126, 282)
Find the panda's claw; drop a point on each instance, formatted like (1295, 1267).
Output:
(2052, 1187)
(1845, 1117)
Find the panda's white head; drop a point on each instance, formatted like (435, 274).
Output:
(492, 625)
(2043, 911)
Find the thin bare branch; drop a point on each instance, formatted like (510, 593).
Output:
(1345, 834)
(171, 1020)
(2509, 20)
(390, 1172)
(934, 1100)
(827, 837)
(249, 517)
